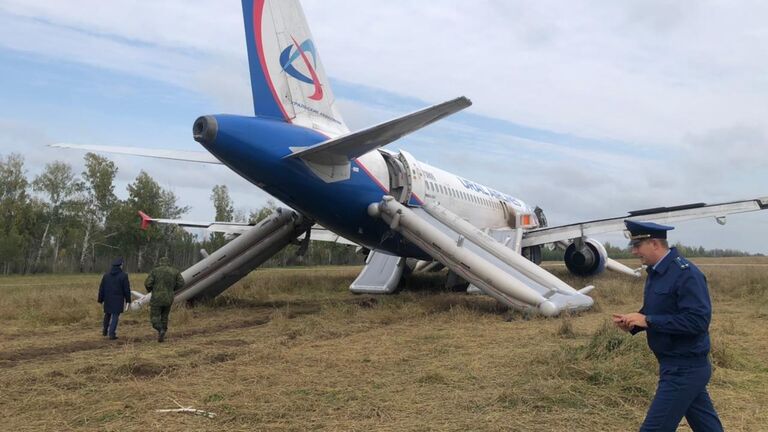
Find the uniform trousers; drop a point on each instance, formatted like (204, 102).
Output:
(682, 392)
(158, 316)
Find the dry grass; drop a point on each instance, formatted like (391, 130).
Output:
(293, 350)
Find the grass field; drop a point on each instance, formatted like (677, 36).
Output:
(294, 350)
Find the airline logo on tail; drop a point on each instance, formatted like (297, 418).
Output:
(293, 53)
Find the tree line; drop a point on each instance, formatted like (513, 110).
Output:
(62, 221)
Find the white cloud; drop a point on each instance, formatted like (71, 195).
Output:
(648, 71)
(635, 71)
(678, 88)
(181, 25)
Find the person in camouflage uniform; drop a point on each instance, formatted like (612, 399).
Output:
(163, 281)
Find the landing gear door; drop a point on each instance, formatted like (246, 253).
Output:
(416, 179)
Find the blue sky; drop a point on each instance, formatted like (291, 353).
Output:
(583, 109)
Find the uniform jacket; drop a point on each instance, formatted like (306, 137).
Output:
(114, 290)
(678, 310)
(162, 282)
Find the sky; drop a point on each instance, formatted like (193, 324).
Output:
(588, 109)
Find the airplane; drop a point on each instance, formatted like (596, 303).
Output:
(344, 186)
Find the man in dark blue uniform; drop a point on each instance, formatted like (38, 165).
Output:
(114, 293)
(675, 316)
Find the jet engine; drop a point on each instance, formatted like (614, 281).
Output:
(586, 257)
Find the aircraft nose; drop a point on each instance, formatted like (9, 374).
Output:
(205, 130)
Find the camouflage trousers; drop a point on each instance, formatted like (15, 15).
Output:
(158, 316)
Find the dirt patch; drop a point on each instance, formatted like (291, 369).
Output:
(42, 352)
(367, 302)
(141, 369)
(221, 357)
(87, 370)
(5, 364)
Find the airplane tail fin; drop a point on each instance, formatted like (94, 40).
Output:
(287, 78)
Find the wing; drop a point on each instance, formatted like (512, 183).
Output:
(181, 155)
(319, 233)
(346, 147)
(658, 215)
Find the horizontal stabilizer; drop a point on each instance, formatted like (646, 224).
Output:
(224, 227)
(346, 147)
(180, 155)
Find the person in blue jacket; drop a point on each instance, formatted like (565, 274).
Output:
(114, 293)
(675, 316)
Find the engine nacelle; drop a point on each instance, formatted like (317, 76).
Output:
(588, 260)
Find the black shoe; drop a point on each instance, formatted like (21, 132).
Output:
(103, 332)
(161, 336)
(113, 337)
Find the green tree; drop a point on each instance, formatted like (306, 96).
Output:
(259, 215)
(225, 211)
(61, 188)
(11, 243)
(13, 190)
(145, 194)
(222, 203)
(99, 176)
(13, 200)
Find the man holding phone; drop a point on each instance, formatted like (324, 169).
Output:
(675, 316)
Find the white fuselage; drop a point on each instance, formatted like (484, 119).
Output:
(480, 205)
